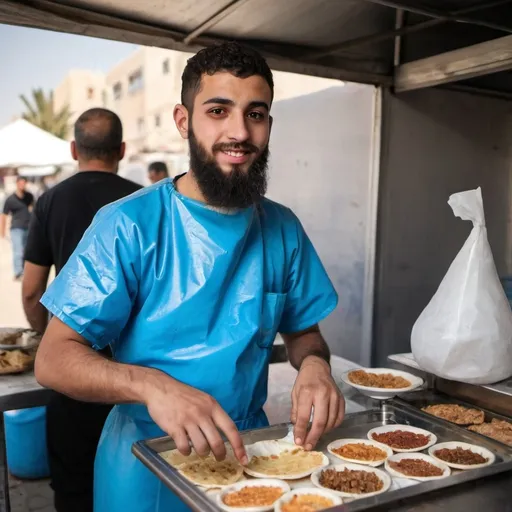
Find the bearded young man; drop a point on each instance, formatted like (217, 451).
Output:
(188, 282)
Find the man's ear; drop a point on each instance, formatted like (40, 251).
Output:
(73, 150)
(181, 118)
(271, 122)
(122, 151)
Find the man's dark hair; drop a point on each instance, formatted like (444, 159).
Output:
(158, 167)
(98, 135)
(234, 58)
(21, 178)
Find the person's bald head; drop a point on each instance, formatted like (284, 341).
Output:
(98, 143)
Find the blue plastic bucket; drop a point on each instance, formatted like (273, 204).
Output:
(25, 438)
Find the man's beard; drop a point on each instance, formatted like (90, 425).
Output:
(236, 189)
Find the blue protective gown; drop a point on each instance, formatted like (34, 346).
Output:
(172, 284)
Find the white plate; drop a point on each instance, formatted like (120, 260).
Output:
(400, 456)
(415, 430)
(341, 442)
(383, 393)
(484, 452)
(386, 479)
(336, 500)
(267, 448)
(263, 482)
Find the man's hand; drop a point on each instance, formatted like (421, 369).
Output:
(315, 388)
(187, 413)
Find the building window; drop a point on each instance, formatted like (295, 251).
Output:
(140, 124)
(135, 81)
(165, 67)
(90, 93)
(117, 90)
(157, 120)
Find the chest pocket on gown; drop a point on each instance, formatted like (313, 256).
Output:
(273, 305)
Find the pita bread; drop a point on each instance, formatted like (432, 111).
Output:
(176, 459)
(210, 472)
(288, 462)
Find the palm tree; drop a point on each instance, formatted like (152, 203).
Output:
(42, 113)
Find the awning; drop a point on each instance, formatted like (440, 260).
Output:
(24, 145)
(372, 41)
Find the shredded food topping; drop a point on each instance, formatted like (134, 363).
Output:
(351, 481)
(416, 467)
(456, 414)
(306, 503)
(253, 496)
(402, 439)
(374, 380)
(460, 456)
(360, 451)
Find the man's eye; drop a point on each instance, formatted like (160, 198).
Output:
(217, 111)
(256, 115)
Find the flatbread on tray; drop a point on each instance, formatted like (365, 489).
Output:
(210, 472)
(276, 459)
(205, 471)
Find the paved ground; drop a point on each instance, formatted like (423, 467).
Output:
(26, 496)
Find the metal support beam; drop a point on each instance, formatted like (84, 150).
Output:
(213, 20)
(477, 60)
(443, 15)
(399, 23)
(378, 37)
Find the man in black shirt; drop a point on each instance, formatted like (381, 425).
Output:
(60, 218)
(18, 205)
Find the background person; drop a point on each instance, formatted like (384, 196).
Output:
(61, 217)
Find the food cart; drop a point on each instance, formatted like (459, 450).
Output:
(442, 123)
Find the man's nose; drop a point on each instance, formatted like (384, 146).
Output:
(237, 128)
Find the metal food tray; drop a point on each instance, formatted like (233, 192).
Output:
(420, 399)
(496, 397)
(354, 426)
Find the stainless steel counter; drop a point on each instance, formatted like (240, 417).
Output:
(356, 426)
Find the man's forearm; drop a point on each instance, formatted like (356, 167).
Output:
(36, 313)
(309, 343)
(78, 371)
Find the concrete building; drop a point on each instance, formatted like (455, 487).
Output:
(81, 89)
(143, 90)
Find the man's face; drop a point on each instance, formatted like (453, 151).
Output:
(228, 137)
(21, 185)
(155, 176)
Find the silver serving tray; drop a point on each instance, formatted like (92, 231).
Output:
(354, 426)
(496, 397)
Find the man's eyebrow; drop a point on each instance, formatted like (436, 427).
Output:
(262, 104)
(226, 101)
(219, 101)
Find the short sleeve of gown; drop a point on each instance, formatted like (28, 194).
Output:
(310, 295)
(95, 291)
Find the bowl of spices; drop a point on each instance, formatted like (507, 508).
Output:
(381, 383)
(403, 438)
(360, 451)
(352, 480)
(463, 456)
(416, 466)
(307, 499)
(257, 495)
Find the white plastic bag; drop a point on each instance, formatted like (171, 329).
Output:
(465, 332)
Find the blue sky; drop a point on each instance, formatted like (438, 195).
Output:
(33, 58)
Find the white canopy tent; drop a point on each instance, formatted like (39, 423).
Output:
(24, 145)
